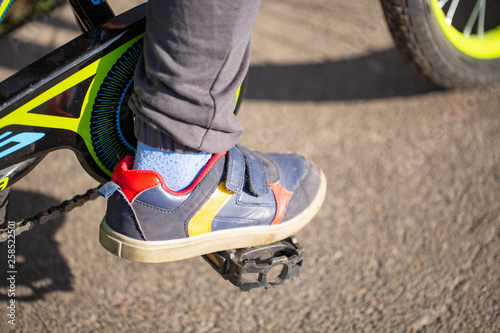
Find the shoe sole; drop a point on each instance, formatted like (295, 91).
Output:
(173, 250)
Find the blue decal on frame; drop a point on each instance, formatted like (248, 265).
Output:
(20, 140)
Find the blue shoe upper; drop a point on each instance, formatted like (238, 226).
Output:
(260, 189)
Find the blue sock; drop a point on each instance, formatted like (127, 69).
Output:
(178, 170)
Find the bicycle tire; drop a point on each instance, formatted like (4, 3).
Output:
(4, 8)
(447, 60)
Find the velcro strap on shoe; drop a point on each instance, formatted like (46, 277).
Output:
(108, 189)
(255, 171)
(235, 178)
(243, 165)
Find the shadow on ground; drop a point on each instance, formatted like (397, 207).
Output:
(375, 76)
(40, 266)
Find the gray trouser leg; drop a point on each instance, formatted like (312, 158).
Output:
(196, 54)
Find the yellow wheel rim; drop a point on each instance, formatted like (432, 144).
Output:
(483, 46)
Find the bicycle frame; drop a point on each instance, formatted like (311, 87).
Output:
(74, 97)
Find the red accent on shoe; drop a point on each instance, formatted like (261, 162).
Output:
(132, 182)
(282, 196)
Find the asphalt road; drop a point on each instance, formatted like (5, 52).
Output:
(408, 239)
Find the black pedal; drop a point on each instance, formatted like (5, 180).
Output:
(267, 266)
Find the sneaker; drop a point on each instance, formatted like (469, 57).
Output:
(240, 199)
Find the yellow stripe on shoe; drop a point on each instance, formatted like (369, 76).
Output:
(201, 222)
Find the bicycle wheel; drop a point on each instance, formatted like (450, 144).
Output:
(454, 43)
(4, 7)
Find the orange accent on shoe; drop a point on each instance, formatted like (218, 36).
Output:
(132, 182)
(282, 196)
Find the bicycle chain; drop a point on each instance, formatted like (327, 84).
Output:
(232, 265)
(49, 214)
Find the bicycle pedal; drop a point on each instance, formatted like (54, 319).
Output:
(267, 266)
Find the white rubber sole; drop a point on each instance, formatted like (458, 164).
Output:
(173, 250)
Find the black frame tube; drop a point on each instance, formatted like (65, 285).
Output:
(91, 13)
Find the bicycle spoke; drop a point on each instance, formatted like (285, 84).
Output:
(441, 3)
(472, 19)
(480, 25)
(451, 12)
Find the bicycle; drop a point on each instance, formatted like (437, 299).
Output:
(76, 98)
